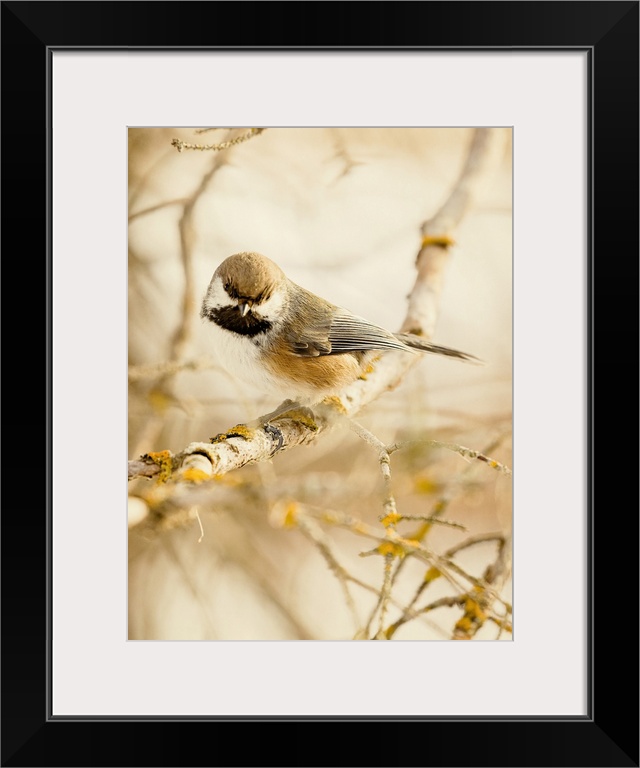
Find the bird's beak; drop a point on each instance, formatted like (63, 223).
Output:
(244, 307)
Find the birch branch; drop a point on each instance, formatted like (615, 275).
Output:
(437, 238)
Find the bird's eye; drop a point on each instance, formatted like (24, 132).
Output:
(227, 285)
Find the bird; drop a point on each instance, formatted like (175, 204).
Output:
(287, 341)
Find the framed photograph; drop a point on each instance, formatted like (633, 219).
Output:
(348, 227)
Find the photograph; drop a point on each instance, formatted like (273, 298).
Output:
(320, 383)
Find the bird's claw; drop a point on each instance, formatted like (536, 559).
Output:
(275, 433)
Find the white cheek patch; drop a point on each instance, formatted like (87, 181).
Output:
(216, 295)
(271, 308)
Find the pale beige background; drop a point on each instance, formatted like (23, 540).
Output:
(340, 211)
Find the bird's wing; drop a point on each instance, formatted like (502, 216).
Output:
(334, 331)
(350, 333)
(312, 342)
(321, 328)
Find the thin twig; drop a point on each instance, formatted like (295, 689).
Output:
(315, 534)
(308, 513)
(158, 207)
(179, 144)
(170, 367)
(467, 453)
(389, 518)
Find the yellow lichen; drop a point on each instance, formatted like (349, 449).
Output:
(302, 416)
(444, 241)
(391, 519)
(230, 479)
(163, 460)
(193, 475)
(365, 374)
(390, 548)
(284, 514)
(159, 400)
(474, 617)
(474, 612)
(334, 403)
(240, 430)
(431, 575)
(369, 369)
(426, 485)
(290, 515)
(464, 624)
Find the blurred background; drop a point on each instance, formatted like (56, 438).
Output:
(340, 210)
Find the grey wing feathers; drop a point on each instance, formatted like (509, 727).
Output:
(426, 346)
(310, 347)
(337, 331)
(350, 333)
(310, 338)
(331, 330)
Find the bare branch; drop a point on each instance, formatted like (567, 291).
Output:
(466, 453)
(168, 368)
(158, 207)
(180, 145)
(437, 237)
(479, 602)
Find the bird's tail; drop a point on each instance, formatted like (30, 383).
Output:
(426, 346)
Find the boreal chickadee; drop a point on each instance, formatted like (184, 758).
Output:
(287, 341)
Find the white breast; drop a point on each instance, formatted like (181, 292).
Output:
(241, 356)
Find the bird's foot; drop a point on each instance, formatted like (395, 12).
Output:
(284, 407)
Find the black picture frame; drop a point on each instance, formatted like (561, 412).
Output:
(608, 735)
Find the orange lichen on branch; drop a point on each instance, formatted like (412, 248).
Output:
(240, 430)
(442, 241)
(391, 548)
(474, 615)
(334, 403)
(193, 475)
(393, 518)
(290, 515)
(159, 400)
(426, 485)
(369, 369)
(284, 514)
(431, 575)
(302, 416)
(164, 460)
